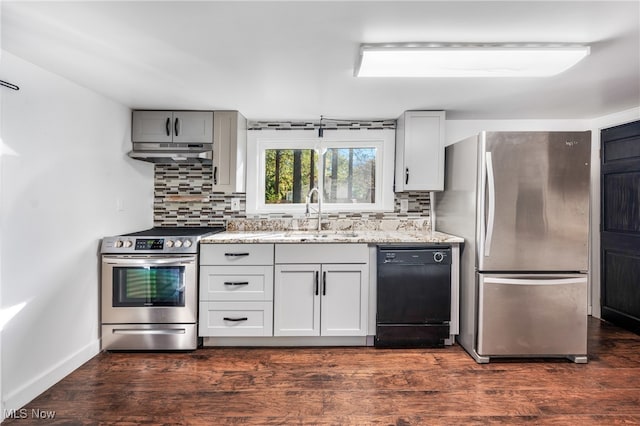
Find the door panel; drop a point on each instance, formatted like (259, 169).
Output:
(537, 191)
(621, 197)
(193, 126)
(622, 292)
(414, 294)
(296, 305)
(344, 300)
(532, 315)
(224, 126)
(422, 142)
(152, 126)
(620, 225)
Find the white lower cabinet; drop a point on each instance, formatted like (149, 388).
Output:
(236, 290)
(298, 290)
(321, 299)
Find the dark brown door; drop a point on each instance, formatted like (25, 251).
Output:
(620, 225)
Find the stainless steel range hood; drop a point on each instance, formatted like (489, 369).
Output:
(172, 153)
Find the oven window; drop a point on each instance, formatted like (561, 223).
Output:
(148, 286)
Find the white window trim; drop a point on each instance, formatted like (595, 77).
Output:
(260, 140)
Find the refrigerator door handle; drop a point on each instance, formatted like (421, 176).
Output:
(492, 205)
(535, 281)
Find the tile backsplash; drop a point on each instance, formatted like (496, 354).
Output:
(183, 196)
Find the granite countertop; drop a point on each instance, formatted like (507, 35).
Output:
(332, 236)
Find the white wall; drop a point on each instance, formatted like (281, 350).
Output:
(456, 130)
(62, 171)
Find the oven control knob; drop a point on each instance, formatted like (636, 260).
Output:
(169, 243)
(118, 244)
(187, 243)
(178, 243)
(128, 244)
(438, 257)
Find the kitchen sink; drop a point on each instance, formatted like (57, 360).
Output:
(310, 235)
(304, 236)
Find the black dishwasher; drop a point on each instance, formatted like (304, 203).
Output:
(413, 295)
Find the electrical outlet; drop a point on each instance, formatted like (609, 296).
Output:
(404, 206)
(119, 205)
(235, 204)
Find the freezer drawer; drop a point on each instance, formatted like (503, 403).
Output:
(149, 337)
(532, 315)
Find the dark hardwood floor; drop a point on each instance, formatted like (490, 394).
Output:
(351, 386)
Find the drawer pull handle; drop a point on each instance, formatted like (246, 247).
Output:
(316, 283)
(235, 319)
(236, 283)
(236, 254)
(324, 283)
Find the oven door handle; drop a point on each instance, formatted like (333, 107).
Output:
(149, 261)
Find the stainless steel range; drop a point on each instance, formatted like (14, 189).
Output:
(150, 289)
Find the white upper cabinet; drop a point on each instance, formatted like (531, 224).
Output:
(193, 126)
(229, 151)
(420, 151)
(152, 126)
(172, 126)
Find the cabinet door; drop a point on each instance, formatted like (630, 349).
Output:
(297, 300)
(420, 151)
(193, 126)
(229, 151)
(152, 126)
(345, 299)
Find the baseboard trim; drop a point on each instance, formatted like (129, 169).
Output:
(29, 391)
(286, 341)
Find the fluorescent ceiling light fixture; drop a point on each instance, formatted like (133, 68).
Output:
(467, 60)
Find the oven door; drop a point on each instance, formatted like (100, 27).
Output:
(149, 289)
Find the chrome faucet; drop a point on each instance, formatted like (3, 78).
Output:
(308, 200)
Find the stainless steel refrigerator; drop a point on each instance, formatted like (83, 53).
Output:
(521, 202)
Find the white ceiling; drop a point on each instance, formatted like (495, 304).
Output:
(295, 60)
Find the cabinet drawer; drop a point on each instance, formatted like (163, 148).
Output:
(236, 254)
(321, 253)
(235, 319)
(236, 283)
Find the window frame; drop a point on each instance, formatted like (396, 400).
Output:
(258, 141)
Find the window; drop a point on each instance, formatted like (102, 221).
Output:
(350, 175)
(353, 169)
(289, 175)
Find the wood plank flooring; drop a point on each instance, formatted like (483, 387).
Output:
(351, 386)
